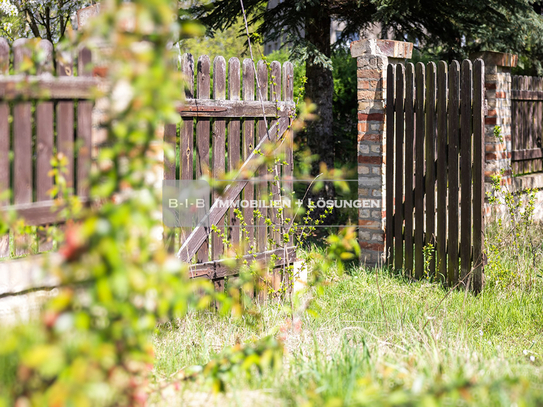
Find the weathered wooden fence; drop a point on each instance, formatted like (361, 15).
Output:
(526, 124)
(434, 170)
(51, 114)
(221, 130)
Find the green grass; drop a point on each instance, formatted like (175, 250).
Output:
(409, 345)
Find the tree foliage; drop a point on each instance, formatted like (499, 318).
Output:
(47, 19)
(440, 28)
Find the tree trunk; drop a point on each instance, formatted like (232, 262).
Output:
(320, 90)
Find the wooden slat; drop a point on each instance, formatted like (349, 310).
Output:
(248, 147)
(187, 129)
(186, 132)
(17, 87)
(219, 147)
(389, 221)
(170, 168)
(4, 146)
(454, 121)
(44, 137)
(465, 169)
(419, 169)
(84, 128)
(233, 142)
(222, 268)
(441, 241)
(399, 170)
(65, 122)
(234, 109)
(430, 160)
(288, 97)
(44, 144)
(532, 154)
(530, 125)
(526, 94)
(524, 128)
(38, 213)
(262, 187)
(275, 96)
(409, 166)
(22, 148)
(202, 138)
(478, 174)
(219, 208)
(514, 123)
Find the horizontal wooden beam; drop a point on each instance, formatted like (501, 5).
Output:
(234, 108)
(519, 155)
(38, 213)
(42, 87)
(223, 268)
(526, 95)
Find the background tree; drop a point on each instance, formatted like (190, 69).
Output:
(447, 29)
(48, 19)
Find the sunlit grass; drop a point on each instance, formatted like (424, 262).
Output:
(409, 345)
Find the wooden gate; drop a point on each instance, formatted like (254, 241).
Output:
(435, 171)
(526, 124)
(237, 124)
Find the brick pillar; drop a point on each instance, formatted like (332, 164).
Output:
(498, 97)
(373, 56)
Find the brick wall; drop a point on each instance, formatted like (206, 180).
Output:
(373, 56)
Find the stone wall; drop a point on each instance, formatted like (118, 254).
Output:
(373, 56)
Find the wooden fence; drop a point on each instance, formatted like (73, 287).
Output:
(221, 130)
(434, 170)
(526, 124)
(50, 116)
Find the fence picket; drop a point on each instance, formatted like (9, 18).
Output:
(288, 96)
(454, 120)
(233, 142)
(248, 137)
(389, 226)
(262, 187)
(219, 147)
(65, 121)
(465, 169)
(22, 148)
(478, 173)
(419, 168)
(409, 167)
(275, 95)
(84, 128)
(442, 171)
(186, 131)
(44, 143)
(399, 170)
(4, 146)
(202, 136)
(430, 160)
(248, 146)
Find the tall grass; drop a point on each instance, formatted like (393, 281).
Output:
(399, 343)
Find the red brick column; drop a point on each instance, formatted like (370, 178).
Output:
(498, 97)
(373, 56)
